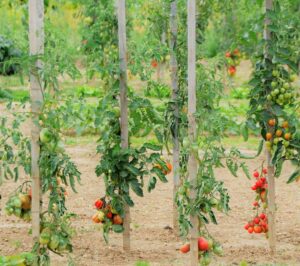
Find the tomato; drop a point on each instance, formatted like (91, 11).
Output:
(45, 236)
(218, 250)
(45, 135)
(154, 63)
(256, 174)
(293, 77)
(273, 84)
(287, 136)
(101, 216)
(255, 204)
(278, 133)
(262, 216)
(272, 122)
(99, 204)
(117, 219)
(285, 124)
(26, 201)
(95, 218)
(232, 70)
(263, 196)
(268, 136)
(170, 168)
(250, 230)
(257, 229)
(54, 242)
(17, 203)
(210, 244)
(203, 244)
(256, 220)
(246, 226)
(109, 215)
(206, 259)
(275, 73)
(185, 248)
(228, 54)
(265, 171)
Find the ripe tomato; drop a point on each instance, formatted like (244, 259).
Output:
(256, 220)
(246, 226)
(109, 215)
(185, 248)
(285, 124)
(262, 216)
(228, 54)
(272, 122)
(250, 230)
(232, 70)
(265, 171)
(95, 218)
(154, 63)
(255, 204)
(117, 219)
(287, 136)
(278, 133)
(257, 229)
(263, 196)
(268, 136)
(256, 174)
(99, 204)
(203, 244)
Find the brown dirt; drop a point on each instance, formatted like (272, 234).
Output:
(149, 239)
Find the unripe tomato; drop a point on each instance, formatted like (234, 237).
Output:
(285, 124)
(278, 133)
(272, 122)
(268, 136)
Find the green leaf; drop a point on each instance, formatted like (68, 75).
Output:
(136, 187)
(152, 147)
(245, 133)
(245, 170)
(294, 176)
(152, 183)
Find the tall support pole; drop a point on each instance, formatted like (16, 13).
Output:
(271, 178)
(175, 92)
(124, 103)
(192, 163)
(36, 43)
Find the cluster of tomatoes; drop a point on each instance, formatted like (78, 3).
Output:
(232, 60)
(106, 214)
(282, 92)
(259, 224)
(19, 205)
(279, 133)
(205, 248)
(56, 239)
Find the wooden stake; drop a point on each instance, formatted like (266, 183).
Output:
(271, 178)
(124, 103)
(36, 43)
(175, 91)
(192, 163)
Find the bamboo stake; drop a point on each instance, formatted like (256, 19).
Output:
(271, 178)
(175, 91)
(36, 43)
(124, 103)
(192, 163)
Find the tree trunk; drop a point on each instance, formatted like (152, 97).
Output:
(124, 103)
(175, 91)
(192, 163)
(271, 178)
(36, 43)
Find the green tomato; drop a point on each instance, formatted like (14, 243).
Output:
(282, 90)
(276, 140)
(54, 242)
(293, 77)
(218, 250)
(276, 91)
(274, 84)
(206, 259)
(45, 135)
(281, 97)
(88, 20)
(286, 85)
(269, 97)
(286, 143)
(275, 73)
(17, 203)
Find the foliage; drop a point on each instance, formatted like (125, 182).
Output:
(157, 90)
(273, 100)
(8, 52)
(14, 148)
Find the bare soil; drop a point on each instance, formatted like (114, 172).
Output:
(150, 240)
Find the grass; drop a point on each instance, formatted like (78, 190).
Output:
(15, 95)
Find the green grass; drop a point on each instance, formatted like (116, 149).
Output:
(142, 263)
